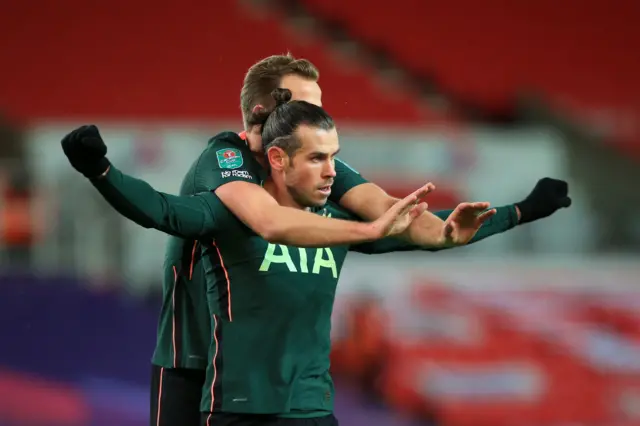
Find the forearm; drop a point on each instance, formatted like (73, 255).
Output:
(369, 202)
(258, 210)
(285, 225)
(425, 231)
(505, 219)
(186, 217)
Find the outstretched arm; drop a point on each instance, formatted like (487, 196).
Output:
(236, 186)
(506, 217)
(428, 230)
(182, 216)
(193, 216)
(367, 200)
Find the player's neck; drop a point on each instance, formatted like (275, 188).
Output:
(259, 158)
(281, 195)
(255, 147)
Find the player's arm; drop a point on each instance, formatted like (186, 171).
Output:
(506, 217)
(237, 185)
(191, 217)
(367, 200)
(284, 225)
(183, 216)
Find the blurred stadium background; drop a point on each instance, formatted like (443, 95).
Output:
(537, 327)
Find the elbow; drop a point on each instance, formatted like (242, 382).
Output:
(271, 231)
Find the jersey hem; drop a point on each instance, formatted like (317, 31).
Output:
(192, 365)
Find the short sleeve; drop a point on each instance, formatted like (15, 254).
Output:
(346, 178)
(226, 159)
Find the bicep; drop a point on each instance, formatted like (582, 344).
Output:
(248, 202)
(368, 201)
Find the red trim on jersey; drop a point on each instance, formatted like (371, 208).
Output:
(215, 370)
(193, 258)
(173, 322)
(226, 275)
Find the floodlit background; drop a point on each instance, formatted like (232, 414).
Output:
(536, 327)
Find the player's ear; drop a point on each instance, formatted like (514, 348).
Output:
(277, 158)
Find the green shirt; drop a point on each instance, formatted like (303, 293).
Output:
(184, 330)
(271, 308)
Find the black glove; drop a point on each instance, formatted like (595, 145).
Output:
(86, 151)
(547, 196)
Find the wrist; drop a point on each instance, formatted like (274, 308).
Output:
(426, 236)
(524, 210)
(99, 170)
(369, 231)
(104, 174)
(518, 213)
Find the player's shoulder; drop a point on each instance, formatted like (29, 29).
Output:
(226, 150)
(227, 140)
(229, 151)
(342, 166)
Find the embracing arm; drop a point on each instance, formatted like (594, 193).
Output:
(369, 201)
(188, 216)
(193, 216)
(227, 168)
(547, 197)
(505, 218)
(254, 206)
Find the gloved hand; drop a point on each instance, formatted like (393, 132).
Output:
(547, 197)
(86, 151)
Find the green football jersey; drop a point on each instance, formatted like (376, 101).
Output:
(184, 330)
(271, 308)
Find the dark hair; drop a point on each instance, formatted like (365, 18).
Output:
(279, 125)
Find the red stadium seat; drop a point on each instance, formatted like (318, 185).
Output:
(163, 60)
(579, 54)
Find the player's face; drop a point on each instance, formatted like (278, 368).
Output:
(302, 89)
(310, 172)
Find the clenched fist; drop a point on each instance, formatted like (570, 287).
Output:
(86, 151)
